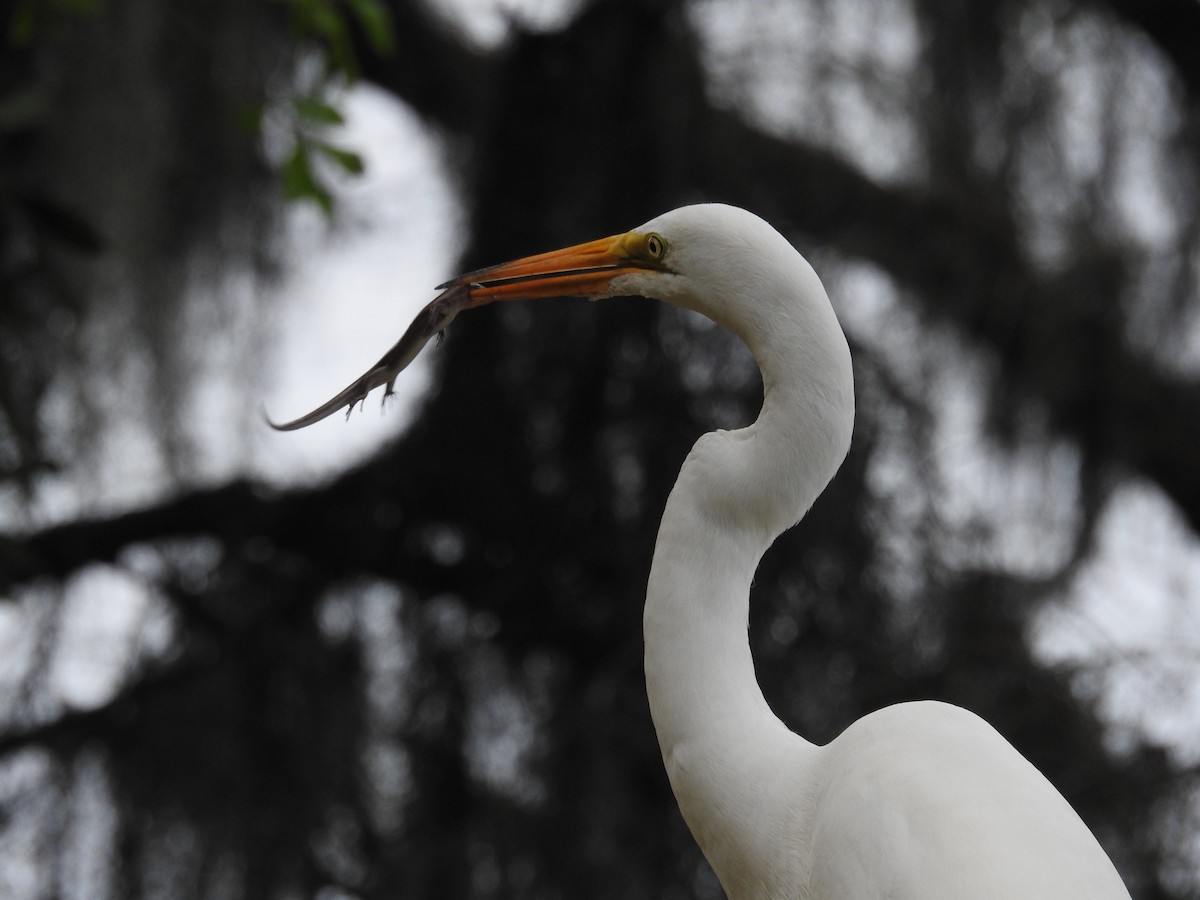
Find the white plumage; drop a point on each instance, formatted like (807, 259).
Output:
(918, 801)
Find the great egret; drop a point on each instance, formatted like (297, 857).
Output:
(918, 800)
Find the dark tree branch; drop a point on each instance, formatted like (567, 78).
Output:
(322, 529)
(67, 732)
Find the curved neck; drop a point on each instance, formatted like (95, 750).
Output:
(724, 750)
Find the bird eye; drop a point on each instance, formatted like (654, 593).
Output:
(655, 246)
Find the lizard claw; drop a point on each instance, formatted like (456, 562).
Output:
(430, 322)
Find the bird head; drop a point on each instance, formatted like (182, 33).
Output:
(600, 268)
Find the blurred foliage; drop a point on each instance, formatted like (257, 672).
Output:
(121, 173)
(330, 23)
(30, 18)
(99, 243)
(299, 180)
(423, 679)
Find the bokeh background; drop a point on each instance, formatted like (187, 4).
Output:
(400, 657)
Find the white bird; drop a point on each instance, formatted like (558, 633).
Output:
(919, 800)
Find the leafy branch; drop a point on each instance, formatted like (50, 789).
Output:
(312, 113)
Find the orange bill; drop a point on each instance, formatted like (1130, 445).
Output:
(584, 270)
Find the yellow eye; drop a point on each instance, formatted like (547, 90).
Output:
(655, 246)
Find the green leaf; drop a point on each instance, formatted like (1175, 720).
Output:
(326, 21)
(297, 174)
(299, 182)
(348, 160)
(376, 21)
(318, 111)
(329, 24)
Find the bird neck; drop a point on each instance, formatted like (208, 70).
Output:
(724, 750)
